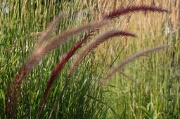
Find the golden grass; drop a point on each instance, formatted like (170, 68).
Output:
(148, 26)
(140, 27)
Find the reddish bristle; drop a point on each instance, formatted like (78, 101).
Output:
(123, 33)
(123, 11)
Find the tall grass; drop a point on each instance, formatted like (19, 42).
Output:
(74, 93)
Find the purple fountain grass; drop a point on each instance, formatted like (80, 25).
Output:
(44, 46)
(111, 15)
(41, 49)
(130, 9)
(63, 37)
(61, 65)
(101, 38)
(60, 39)
(128, 60)
(94, 43)
(38, 52)
(26, 68)
(90, 46)
(48, 30)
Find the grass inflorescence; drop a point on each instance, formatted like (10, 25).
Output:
(79, 92)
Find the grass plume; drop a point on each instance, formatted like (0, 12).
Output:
(94, 43)
(41, 49)
(45, 45)
(49, 29)
(90, 46)
(130, 9)
(60, 66)
(63, 37)
(128, 60)
(36, 56)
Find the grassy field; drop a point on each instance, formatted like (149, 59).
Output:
(145, 88)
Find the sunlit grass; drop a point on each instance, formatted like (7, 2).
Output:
(155, 93)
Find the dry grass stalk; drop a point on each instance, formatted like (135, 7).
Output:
(128, 60)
